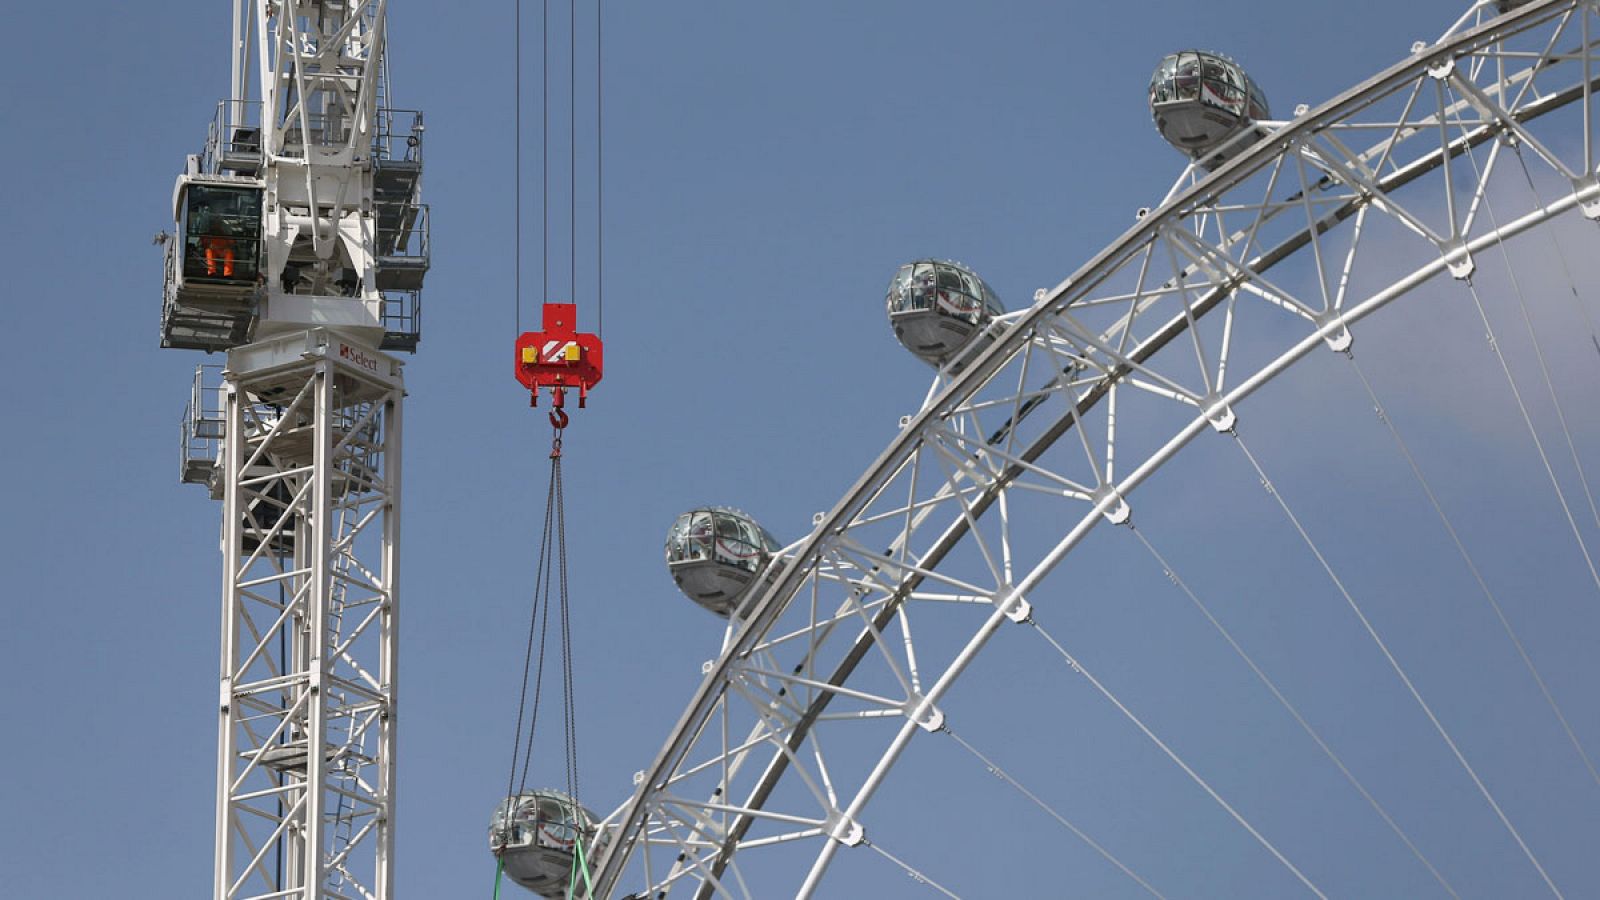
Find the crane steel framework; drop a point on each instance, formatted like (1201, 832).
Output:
(300, 250)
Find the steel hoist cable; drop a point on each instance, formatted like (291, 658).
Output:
(559, 359)
(551, 590)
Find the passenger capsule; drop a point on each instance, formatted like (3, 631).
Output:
(536, 835)
(1202, 102)
(715, 555)
(939, 309)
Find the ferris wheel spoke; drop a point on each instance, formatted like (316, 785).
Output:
(1177, 580)
(1394, 664)
(1472, 567)
(1000, 773)
(1101, 344)
(916, 875)
(1561, 254)
(1079, 669)
(1544, 371)
(1533, 433)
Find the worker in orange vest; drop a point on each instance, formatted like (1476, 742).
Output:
(217, 248)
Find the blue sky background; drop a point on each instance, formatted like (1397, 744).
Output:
(767, 167)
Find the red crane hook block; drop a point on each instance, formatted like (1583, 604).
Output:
(559, 357)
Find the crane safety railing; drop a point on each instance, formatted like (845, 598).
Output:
(402, 233)
(233, 139)
(202, 427)
(402, 320)
(398, 137)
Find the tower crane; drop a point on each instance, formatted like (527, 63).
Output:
(299, 251)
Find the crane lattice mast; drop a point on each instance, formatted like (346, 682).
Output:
(300, 250)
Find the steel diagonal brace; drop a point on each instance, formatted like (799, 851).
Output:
(913, 571)
(841, 690)
(257, 862)
(688, 853)
(278, 420)
(706, 829)
(1069, 487)
(1499, 114)
(265, 744)
(1239, 275)
(1356, 178)
(1094, 272)
(1121, 365)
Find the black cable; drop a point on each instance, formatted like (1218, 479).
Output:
(600, 170)
(516, 293)
(542, 608)
(544, 155)
(572, 147)
(570, 707)
(527, 664)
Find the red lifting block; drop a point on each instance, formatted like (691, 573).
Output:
(559, 357)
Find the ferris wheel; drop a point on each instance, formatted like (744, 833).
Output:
(848, 652)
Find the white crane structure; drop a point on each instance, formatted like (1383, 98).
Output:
(300, 250)
(1043, 426)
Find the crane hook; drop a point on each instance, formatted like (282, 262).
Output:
(558, 421)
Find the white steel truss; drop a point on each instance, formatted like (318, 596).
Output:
(320, 68)
(948, 536)
(303, 448)
(310, 485)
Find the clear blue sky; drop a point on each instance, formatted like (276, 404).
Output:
(767, 167)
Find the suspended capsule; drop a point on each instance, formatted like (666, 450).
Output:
(938, 309)
(538, 837)
(715, 555)
(1202, 102)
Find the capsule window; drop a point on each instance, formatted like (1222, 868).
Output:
(221, 233)
(1186, 79)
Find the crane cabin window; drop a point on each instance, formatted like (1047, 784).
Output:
(221, 233)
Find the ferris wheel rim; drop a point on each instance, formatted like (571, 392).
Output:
(988, 363)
